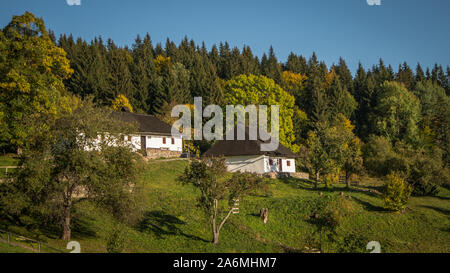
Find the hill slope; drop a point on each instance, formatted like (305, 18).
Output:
(172, 223)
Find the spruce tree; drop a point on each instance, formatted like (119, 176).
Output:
(270, 67)
(420, 75)
(345, 75)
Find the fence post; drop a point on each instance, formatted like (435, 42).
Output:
(8, 237)
(39, 247)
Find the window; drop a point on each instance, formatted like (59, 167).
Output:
(173, 141)
(270, 161)
(164, 140)
(288, 163)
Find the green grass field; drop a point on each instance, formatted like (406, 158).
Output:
(6, 248)
(7, 160)
(173, 223)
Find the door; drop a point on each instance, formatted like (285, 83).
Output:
(143, 143)
(274, 164)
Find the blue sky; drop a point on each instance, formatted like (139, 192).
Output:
(397, 30)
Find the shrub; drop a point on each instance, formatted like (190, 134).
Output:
(351, 243)
(331, 211)
(423, 169)
(116, 240)
(331, 179)
(396, 192)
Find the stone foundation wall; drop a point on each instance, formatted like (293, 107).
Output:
(300, 175)
(274, 175)
(158, 153)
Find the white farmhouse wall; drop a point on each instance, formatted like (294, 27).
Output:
(152, 142)
(286, 168)
(252, 164)
(275, 166)
(156, 142)
(135, 142)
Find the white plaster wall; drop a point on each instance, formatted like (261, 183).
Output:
(276, 168)
(252, 164)
(156, 142)
(135, 142)
(286, 168)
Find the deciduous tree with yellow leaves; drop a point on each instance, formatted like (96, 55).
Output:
(120, 102)
(32, 70)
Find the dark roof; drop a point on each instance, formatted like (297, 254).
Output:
(145, 123)
(245, 147)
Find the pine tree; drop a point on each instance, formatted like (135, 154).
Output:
(428, 74)
(119, 77)
(296, 64)
(420, 75)
(364, 86)
(345, 75)
(214, 57)
(319, 101)
(270, 67)
(249, 63)
(340, 100)
(143, 72)
(405, 76)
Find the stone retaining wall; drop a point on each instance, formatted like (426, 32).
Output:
(274, 175)
(158, 153)
(300, 175)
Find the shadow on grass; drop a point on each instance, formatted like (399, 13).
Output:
(309, 185)
(298, 183)
(254, 215)
(440, 197)
(162, 224)
(440, 210)
(81, 228)
(368, 206)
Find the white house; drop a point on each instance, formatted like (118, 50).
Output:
(246, 156)
(154, 136)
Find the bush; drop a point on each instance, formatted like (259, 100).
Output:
(426, 173)
(331, 211)
(351, 243)
(331, 179)
(116, 240)
(423, 169)
(396, 192)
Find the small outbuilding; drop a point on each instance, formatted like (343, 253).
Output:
(246, 156)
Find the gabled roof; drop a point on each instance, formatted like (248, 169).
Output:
(245, 147)
(146, 123)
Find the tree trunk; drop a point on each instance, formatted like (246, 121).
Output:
(66, 223)
(216, 238)
(67, 197)
(347, 182)
(216, 229)
(264, 214)
(317, 180)
(213, 224)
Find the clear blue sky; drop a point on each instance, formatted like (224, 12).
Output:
(397, 30)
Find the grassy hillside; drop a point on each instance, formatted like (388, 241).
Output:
(172, 223)
(6, 248)
(7, 160)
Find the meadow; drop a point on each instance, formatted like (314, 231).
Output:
(173, 223)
